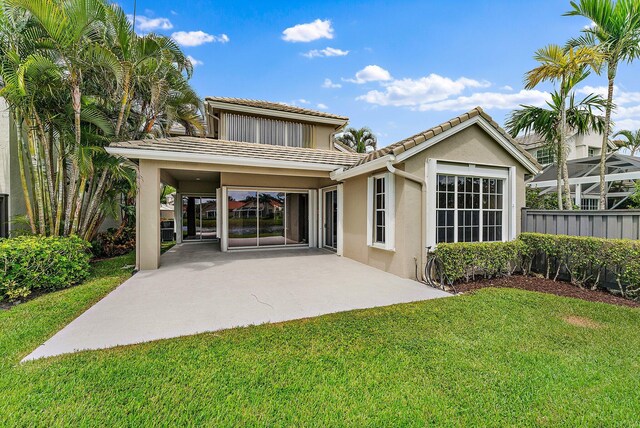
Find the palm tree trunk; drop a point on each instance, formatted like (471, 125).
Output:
(559, 175)
(123, 103)
(36, 176)
(72, 189)
(23, 177)
(611, 74)
(563, 150)
(93, 205)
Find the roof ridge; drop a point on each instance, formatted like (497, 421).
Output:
(273, 105)
(419, 138)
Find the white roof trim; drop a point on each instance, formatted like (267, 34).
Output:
(217, 159)
(231, 107)
(633, 175)
(375, 164)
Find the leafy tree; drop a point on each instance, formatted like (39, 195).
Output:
(566, 68)
(77, 77)
(632, 140)
(581, 117)
(635, 196)
(361, 140)
(537, 201)
(616, 34)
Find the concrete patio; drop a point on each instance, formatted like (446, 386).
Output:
(200, 289)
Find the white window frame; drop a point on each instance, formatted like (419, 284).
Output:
(433, 167)
(390, 212)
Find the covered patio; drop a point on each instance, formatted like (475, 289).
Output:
(200, 289)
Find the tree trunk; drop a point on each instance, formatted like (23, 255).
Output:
(123, 102)
(559, 175)
(568, 205)
(74, 173)
(611, 74)
(23, 177)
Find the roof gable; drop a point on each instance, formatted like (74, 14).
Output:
(422, 140)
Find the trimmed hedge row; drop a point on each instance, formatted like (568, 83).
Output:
(29, 263)
(467, 260)
(584, 260)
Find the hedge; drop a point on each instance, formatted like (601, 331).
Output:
(468, 260)
(583, 260)
(30, 263)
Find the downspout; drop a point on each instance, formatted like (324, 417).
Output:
(423, 210)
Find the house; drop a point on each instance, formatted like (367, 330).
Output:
(11, 197)
(621, 173)
(463, 180)
(579, 146)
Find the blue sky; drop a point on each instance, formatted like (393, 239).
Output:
(398, 67)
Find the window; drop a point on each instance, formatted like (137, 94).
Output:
(381, 211)
(589, 204)
(469, 209)
(268, 131)
(545, 156)
(593, 151)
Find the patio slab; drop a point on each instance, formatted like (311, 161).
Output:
(200, 289)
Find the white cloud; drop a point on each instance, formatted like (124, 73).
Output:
(507, 88)
(315, 30)
(194, 62)
(627, 112)
(330, 85)
(322, 106)
(488, 100)
(371, 73)
(197, 38)
(316, 53)
(145, 23)
(418, 92)
(589, 26)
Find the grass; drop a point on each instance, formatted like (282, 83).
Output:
(494, 358)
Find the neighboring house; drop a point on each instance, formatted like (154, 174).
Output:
(11, 197)
(462, 180)
(579, 147)
(584, 180)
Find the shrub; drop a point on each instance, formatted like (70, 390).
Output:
(467, 260)
(29, 263)
(585, 259)
(114, 242)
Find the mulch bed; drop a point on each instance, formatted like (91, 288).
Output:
(544, 285)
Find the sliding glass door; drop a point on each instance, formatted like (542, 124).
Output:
(199, 218)
(330, 219)
(262, 218)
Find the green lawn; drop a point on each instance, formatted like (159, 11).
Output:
(498, 357)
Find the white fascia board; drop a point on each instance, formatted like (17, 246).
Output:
(479, 120)
(213, 159)
(635, 175)
(229, 107)
(374, 165)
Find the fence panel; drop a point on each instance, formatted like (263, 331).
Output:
(614, 224)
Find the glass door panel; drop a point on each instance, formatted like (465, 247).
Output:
(297, 218)
(331, 219)
(243, 219)
(198, 218)
(271, 218)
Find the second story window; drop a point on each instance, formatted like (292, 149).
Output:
(545, 156)
(267, 131)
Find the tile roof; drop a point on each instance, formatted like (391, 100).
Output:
(421, 137)
(209, 146)
(275, 106)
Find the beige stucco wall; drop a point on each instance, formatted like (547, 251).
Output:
(470, 146)
(323, 138)
(273, 181)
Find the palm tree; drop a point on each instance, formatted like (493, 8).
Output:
(567, 67)
(581, 117)
(632, 140)
(73, 72)
(616, 34)
(361, 140)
